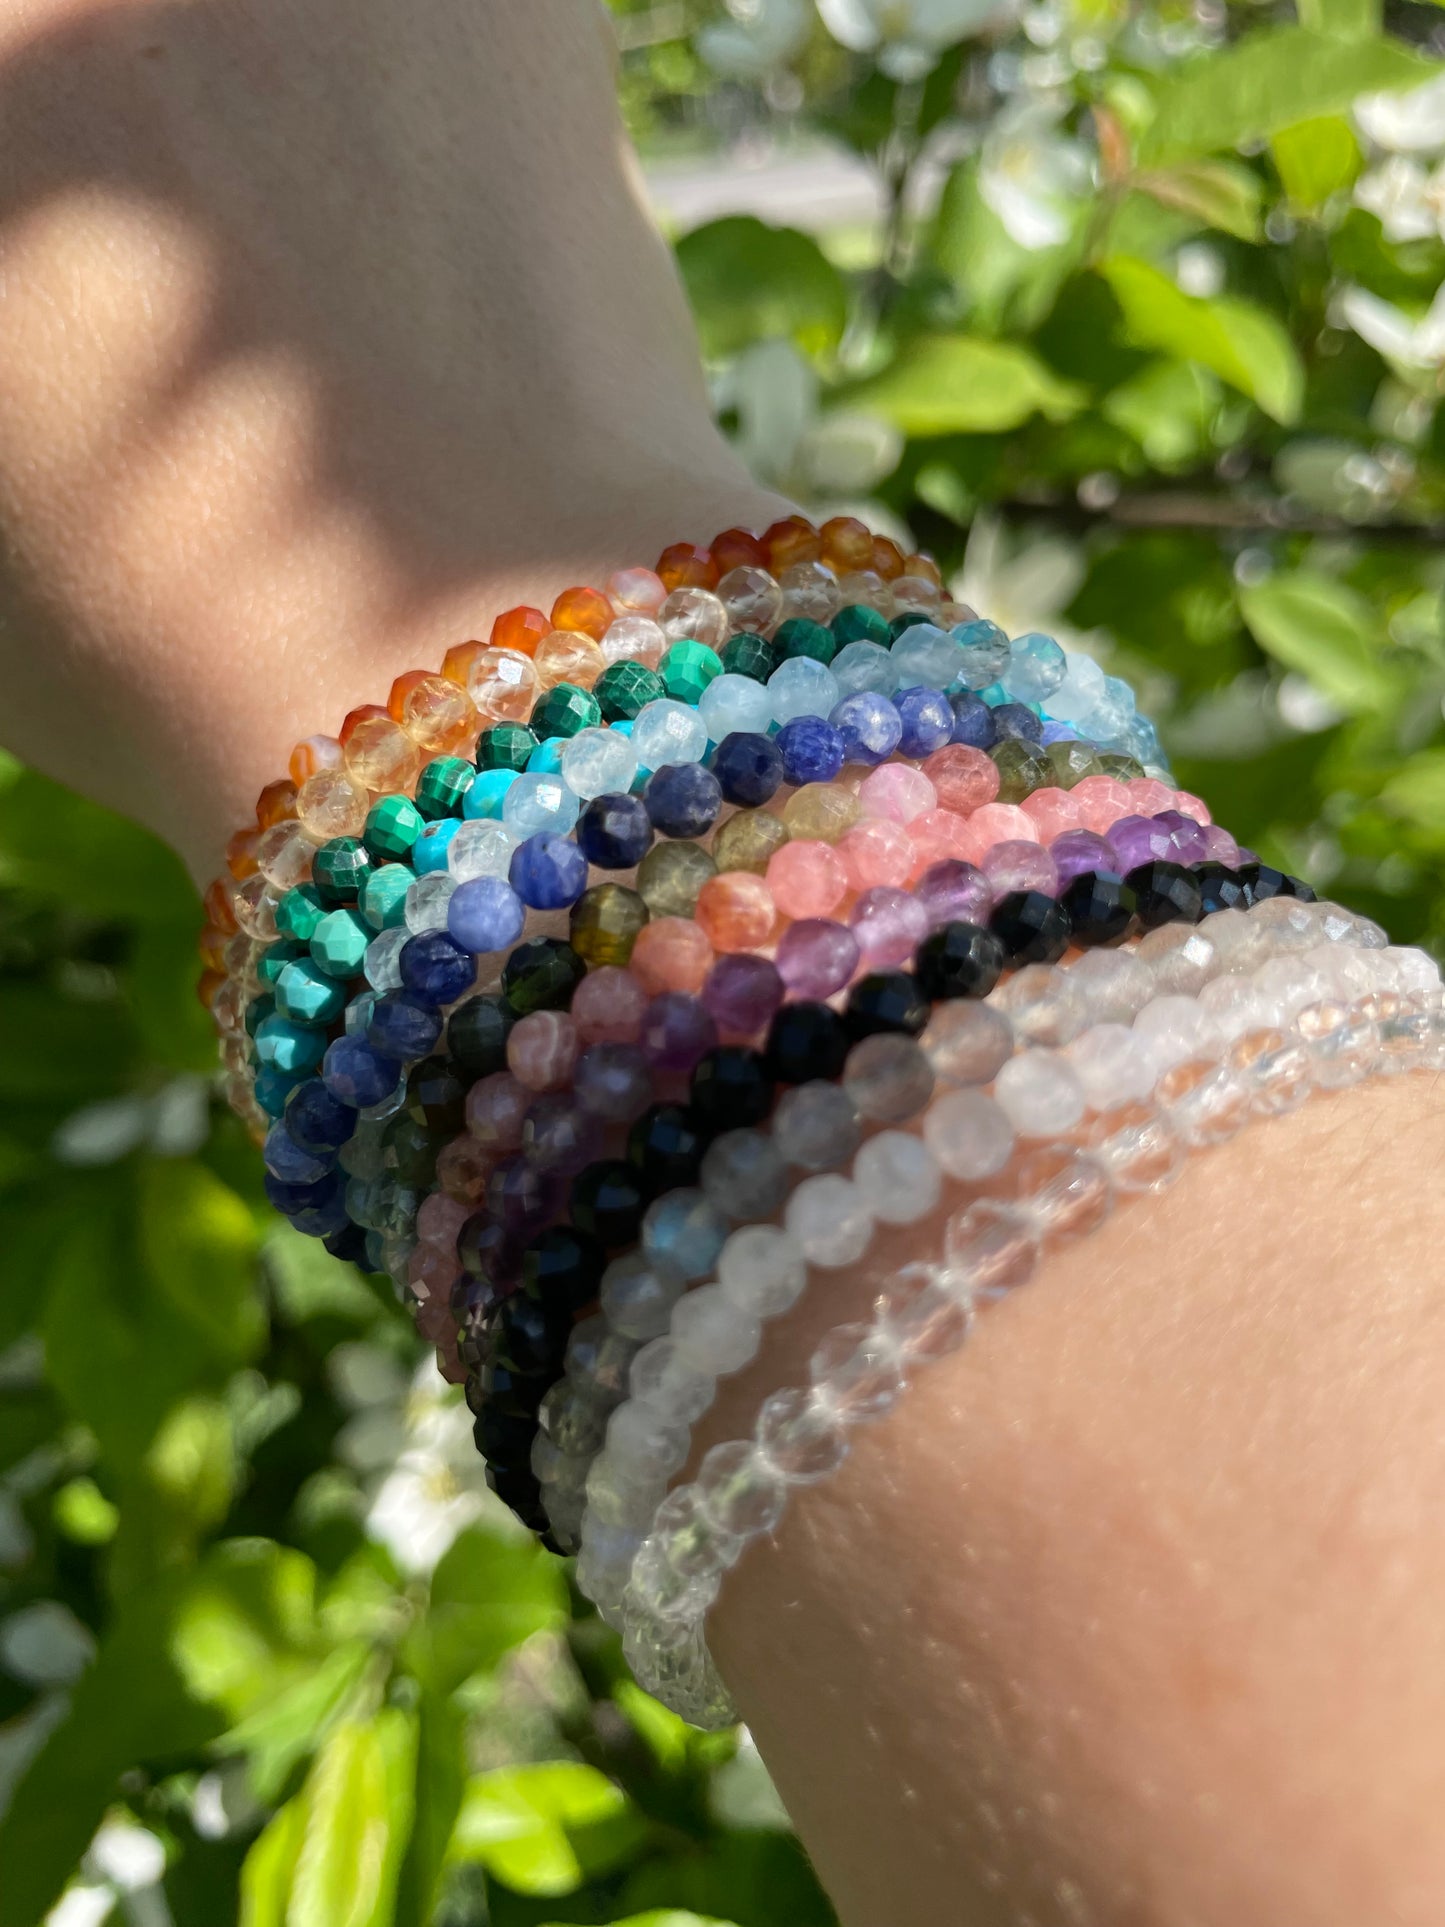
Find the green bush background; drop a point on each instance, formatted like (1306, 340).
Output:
(1154, 422)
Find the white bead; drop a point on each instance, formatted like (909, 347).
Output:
(762, 1269)
(634, 639)
(480, 848)
(732, 702)
(712, 1333)
(1181, 957)
(1113, 984)
(666, 732)
(1237, 1005)
(967, 1043)
(1042, 1003)
(599, 762)
(1040, 1093)
(663, 1379)
(829, 1221)
(898, 1177)
(1114, 1065)
(540, 800)
(641, 1444)
(739, 1491)
(1176, 1029)
(638, 1294)
(864, 666)
(969, 1134)
(802, 687)
(1239, 939)
(427, 900)
(383, 970)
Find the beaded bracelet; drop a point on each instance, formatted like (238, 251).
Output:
(968, 1137)
(992, 1248)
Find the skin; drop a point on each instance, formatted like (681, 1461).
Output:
(330, 328)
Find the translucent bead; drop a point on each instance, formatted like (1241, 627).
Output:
(1069, 1192)
(921, 1317)
(1114, 1065)
(810, 591)
(802, 1435)
(739, 1491)
(927, 655)
(743, 1175)
(1042, 1005)
(749, 841)
(815, 1126)
(666, 733)
(1182, 959)
(598, 1359)
(829, 1221)
(1237, 1005)
(663, 1378)
(1115, 986)
(537, 802)
(331, 804)
(858, 1370)
(693, 1544)
(636, 591)
(567, 655)
(1035, 668)
(504, 686)
(1344, 1044)
(994, 1245)
(256, 902)
(382, 963)
(683, 1230)
(865, 666)
(284, 855)
(1205, 1103)
(752, 599)
(1276, 1068)
(807, 878)
(695, 615)
(985, 652)
(481, 848)
(967, 1043)
(1040, 1093)
(761, 1268)
(735, 703)
(899, 1178)
(642, 1445)
(969, 1134)
(1080, 689)
(822, 812)
(659, 1587)
(1239, 940)
(802, 687)
(427, 901)
(713, 1333)
(599, 762)
(624, 1496)
(634, 638)
(574, 1423)
(438, 716)
(888, 1077)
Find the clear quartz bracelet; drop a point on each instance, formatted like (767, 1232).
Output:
(1393, 1022)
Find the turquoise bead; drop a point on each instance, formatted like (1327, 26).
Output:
(383, 895)
(338, 943)
(488, 793)
(288, 1046)
(275, 957)
(546, 758)
(257, 1011)
(994, 695)
(274, 1086)
(429, 852)
(304, 992)
(299, 912)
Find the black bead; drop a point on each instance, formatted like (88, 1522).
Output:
(409, 1151)
(1262, 882)
(436, 1096)
(666, 1146)
(731, 1088)
(1220, 888)
(542, 974)
(565, 1266)
(886, 1000)
(532, 1333)
(520, 1491)
(348, 1244)
(1165, 893)
(958, 960)
(805, 1041)
(505, 1439)
(1100, 907)
(1032, 927)
(512, 1391)
(477, 1035)
(487, 1250)
(607, 1202)
(549, 1542)
(1302, 891)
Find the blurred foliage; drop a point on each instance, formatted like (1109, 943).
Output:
(1134, 330)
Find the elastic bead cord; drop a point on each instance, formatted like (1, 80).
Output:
(992, 1248)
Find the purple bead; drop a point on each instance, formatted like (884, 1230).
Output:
(357, 1073)
(816, 957)
(548, 872)
(488, 1252)
(435, 967)
(613, 1081)
(1059, 733)
(972, 720)
(1019, 721)
(889, 925)
(1186, 836)
(742, 993)
(1136, 840)
(522, 1198)
(952, 891)
(1220, 846)
(927, 719)
(869, 725)
(677, 1031)
(1019, 865)
(558, 1135)
(284, 1158)
(485, 914)
(1079, 853)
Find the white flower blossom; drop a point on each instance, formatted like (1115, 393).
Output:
(1020, 588)
(1408, 200)
(789, 442)
(907, 36)
(1032, 175)
(1394, 334)
(760, 36)
(1408, 123)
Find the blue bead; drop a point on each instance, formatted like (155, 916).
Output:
(485, 914)
(371, 1258)
(548, 872)
(287, 1046)
(315, 1209)
(316, 1118)
(749, 767)
(547, 757)
(273, 1087)
(434, 967)
(402, 1026)
(1016, 719)
(284, 1158)
(429, 852)
(812, 750)
(972, 720)
(1059, 733)
(869, 725)
(487, 794)
(927, 720)
(358, 1073)
(682, 799)
(614, 832)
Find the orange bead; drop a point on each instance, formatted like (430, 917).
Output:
(212, 946)
(737, 549)
(504, 686)
(587, 610)
(925, 567)
(847, 544)
(439, 718)
(522, 628)
(276, 803)
(790, 541)
(887, 558)
(220, 906)
(314, 755)
(460, 660)
(686, 565)
(380, 755)
(400, 690)
(210, 982)
(735, 911)
(671, 953)
(241, 854)
(355, 718)
(568, 655)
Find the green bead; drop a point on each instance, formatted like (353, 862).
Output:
(859, 623)
(409, 1151)
(1071, 763)
(908, 619)
(749, 655)
(671, 875)
(799, 637)
(307, 995)
(338, 943)
(506, 746)
(392, 827)
(605, 924)
(383, 897)
(624, 688)
(339, 870)
(442, 787)
(275, 957)
(289, 1046)
(1022, 769)
(687, 669)
(299, 912)
(1113, 762)
(565, 710)
(257, 1011)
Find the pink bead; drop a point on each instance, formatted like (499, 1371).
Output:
(434, 1316)
(996, 823)
(889, 926)
(1188, 805)
(671, 953)
(449, 1360)
(496, 1106)
(430, 1272)
(636, 592)
(936, 835)
(896, 792)
(542, 1050)
(463, 1169)
(876, 851)
(1150, 795)
(1102, 800)
(736, 911)
(608, 1007)
(1013, 865)
(440, 1219)
(1052, 812)
(807, 879)
(964, 778)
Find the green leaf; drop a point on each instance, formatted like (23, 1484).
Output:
(1243, 344)
(1417, 790)
(488, 1594)
(1003, 285)
(667, 1917)
(750, 282)
(66, 1052)
(1221, 194)
(112, 868)
(440, 1783)
(1267, 82)
(545, 1830)
(199, 1243)
(1346, 19)
(1316, 625)
(1169, 408)
(288, 1724)
(270, 1867)
(1316, 158)
(357, 1803)
(951, 384)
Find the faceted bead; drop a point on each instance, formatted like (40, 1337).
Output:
(329, 804)
(585, 610)
(815, 1126)
(1022, 769)
(790, 541)
(867, 666)
(504, 686)
(1035, 668)
(477, 1034)
(379, 754)
(565, 710)
(436, 1096)
(480, 848)
(566, 656)
(855, 623)
(731, 1088)
(340, 869)
(736, 911)
(276, 804)
(954, 891)
(485, 915)
(383, 958)
(801, 686)
(828, 1220)
(1165, 893)
(687, 669)
(807, 879)
(750, 655)
(671, 875)
(436, 969)
(876, 852)
(888, 1077)
(693, 614)
(1100, 907)
(392, 826)
(963, 778)
(742, 992)
(749, 768)
(1015, 722)
(288, 1046)
(749, 841)
(666, 1146)
(888, 1000)
(822, 812)
(496, 1110)
(847, 543)
(898, 1177)
(438, 716)
(969, 1134)
(896, 794)
(1077, 852)
(274, 959)
(682, 799)
(609, 1005)
(542, 974)
(1031, 927)
(338, 943)
(889, 925)
(432, 850)
(1220, 888)
(625, 688)
(505, 746)
(442, 786)
(316, 1119)
(677, 1031)
(985, 653)
(816, 958)
(1017, 864)
(537, 802)
(686, 1232)
(668, 734)
(686, 565)
(307, 994)
(926, 717)
(548, 872)
(797, 637)
(968, 1042)
(973, 722)
(520, 628)
(358, 1073)
(870, 727)
(309, 758)
(806, 1041)
(738, 549)
(542, 1050)
(1040, 1093)
(383, 895)
(744, 1177)
(1071, 762)
(403, 1027)
(928, 657)
(606, 923)
(812, 750)
(959, 960)
(299, 912)
(607, 1202)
